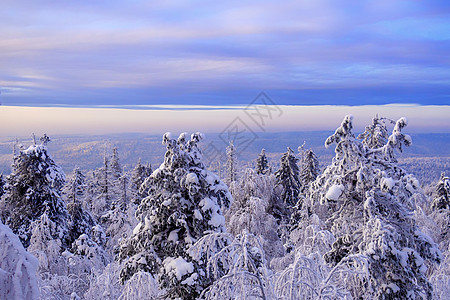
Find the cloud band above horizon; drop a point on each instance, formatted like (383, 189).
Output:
(22, 121)
(79, 53)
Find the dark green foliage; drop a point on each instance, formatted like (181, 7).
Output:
(262, 164)
(33, 188)
(184, 202)
(288, 177)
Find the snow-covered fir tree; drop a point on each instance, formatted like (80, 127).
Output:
(138, 175)
(2, 185)
(440, 211)
(103, 188)
(46, 245)
(117, 219)
(309, 169)
(367, 202)
(185, 201)
(34, 188)
(262, 164)
(231, 164)
(17, 268)
(81, 220)
(257, 209)
(116, 168)
(288, 177)
(441, 197)
(376, 134)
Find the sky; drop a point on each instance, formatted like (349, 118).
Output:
(142, 54)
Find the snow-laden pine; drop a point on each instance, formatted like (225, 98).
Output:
(185, 201)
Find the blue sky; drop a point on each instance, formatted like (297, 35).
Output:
(93, 53)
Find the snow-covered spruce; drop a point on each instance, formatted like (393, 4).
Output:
(367, 202)
(138, 175)
(262, 164)
(2, 185)
(185, 201)
(309, 169)
(231, 164)
(441, 197)
(17, 268)
(103, 189)
(256, 209)
(81, 221)
(32, 189)
(288, 177)
(376, 134)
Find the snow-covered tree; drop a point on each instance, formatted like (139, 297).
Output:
(288, 177)
(256, 209)
(86, 256)
(17, 268)
(262, 164)
(441, 197)
(368, 203)
(309, 277)
(185, 201)
(231, 164)
(440, 211)
(81, 221)
(75, 188)
(116, 168)
(2, 185)
(103, 188)
(105, 283)
(138, 175)
(309, 169)
(34, 188)
(246, 274)
(46, 245)
(376, 134)
(116, 220)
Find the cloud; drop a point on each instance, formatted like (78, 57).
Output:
(22, 121)
(82, 51)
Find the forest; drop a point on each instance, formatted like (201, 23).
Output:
(360, 227)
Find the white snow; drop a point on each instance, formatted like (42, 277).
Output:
(191, 178)
(167, 202)
(173, 235)
(190, 280)
(388, 183)
(217, 220)
(198, 214)
(393, 287)
(334, 192)
(178, 266)
(410, 188)
(206, 204)
(147, 224)
(17, 268)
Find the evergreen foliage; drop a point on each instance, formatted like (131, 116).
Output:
(376, 134)
(288, 177)
(441, 199)
(309, 169)
(34, 188)
(262, 164)
(231, 164)
(185, 201)
(367, 202)
(138, 176)
(81, 221)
